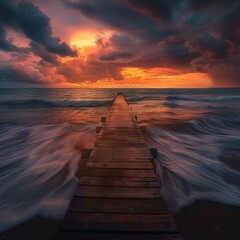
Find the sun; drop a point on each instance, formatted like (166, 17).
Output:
(83, 39)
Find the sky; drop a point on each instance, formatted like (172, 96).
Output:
(120, 43)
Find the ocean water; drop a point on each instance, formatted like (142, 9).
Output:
(43, 131)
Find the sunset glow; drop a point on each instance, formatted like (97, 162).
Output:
(119, 119)
(83, 39)
(111, 44)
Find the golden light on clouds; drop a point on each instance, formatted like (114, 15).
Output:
(165, 78)
(17, 38)
(84, 38)
(111, 44)
(151, 78)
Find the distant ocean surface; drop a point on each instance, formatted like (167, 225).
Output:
(42, 133)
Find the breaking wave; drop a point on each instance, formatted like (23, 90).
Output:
(138, 98)
(36, 103)
(37, 170)
(196, 132)
(203, 99)
(198, 160)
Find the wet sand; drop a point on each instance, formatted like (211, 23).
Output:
(205, 220)
(35, 229)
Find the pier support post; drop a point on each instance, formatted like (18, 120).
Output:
(86, 153)
(98, 129)
(103, 119)
(83, 161)
(154, 152)
(143, 128)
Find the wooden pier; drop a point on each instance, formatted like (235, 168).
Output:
(118, 196)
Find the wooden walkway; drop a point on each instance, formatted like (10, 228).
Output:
(118, 195)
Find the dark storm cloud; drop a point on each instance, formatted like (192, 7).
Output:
(115, 10)
(188, 35)
(121, 41)
(5, 45)
(46, 56)
(201, 35)
(226, 75)
(77, 71)
(149, 21)
(202, 4)
(230, 22)
(111, 12)
(112, 56)
(27, 18)
(175, 57)
(121, 15)
(159, 9)
(21, 74)
(209, 45)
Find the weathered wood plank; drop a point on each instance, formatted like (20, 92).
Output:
(131, 143)
(133, 155)
(118, 173)
(115, 236)
(120, 165)
(106, 205)
(118, 196)
(119, 158)
(117, 192)
(119, 153)
(114, 142)
(118, 182)
(118, 222)
(128, 151)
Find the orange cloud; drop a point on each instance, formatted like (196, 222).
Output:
(135, 78)
(165, 78)
(83, 38)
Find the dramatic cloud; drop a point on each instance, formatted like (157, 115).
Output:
(111, 36)
(21, 74)
(197, 5)
(112, 56)
(226, 75)
(26, 17)
(120, 16)
(121, 41)
(5, 45)
(158, 9)
(198, 35)
(79, 71)
(209, 45)
(47, 57)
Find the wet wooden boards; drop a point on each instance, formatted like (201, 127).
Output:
(118, 196)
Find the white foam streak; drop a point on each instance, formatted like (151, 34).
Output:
(189, 167)
(37, 170)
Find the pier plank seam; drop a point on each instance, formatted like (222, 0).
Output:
(118, 195)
